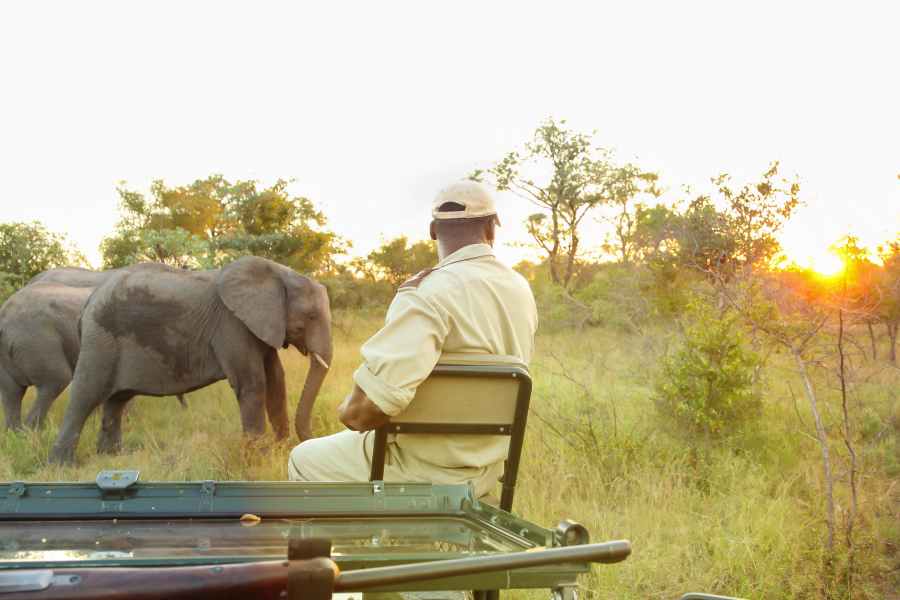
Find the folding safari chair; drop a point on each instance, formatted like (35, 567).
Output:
(467, 394)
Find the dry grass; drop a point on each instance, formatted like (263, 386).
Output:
(741, 517)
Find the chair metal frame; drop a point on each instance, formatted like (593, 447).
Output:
(515, 430)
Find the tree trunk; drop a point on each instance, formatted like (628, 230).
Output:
(892, 335)
(872, 339)
(570, 261)
(821, 436)
(554, 272)
(851, 451)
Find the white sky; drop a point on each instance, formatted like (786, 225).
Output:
(373, 106)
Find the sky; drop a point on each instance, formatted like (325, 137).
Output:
(372, 107)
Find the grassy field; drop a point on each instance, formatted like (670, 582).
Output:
(741, 517)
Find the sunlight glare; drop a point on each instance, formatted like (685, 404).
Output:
(827, 264)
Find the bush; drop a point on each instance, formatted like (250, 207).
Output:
(706, 384)
(9, 283)
(348, 292)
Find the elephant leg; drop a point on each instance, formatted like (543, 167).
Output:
(246, 372)
(46, 394)
(251, 400)
(276, 395)
(110, 439)
(11, 393)
(85, 395)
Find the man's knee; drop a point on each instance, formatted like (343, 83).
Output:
(336, 457)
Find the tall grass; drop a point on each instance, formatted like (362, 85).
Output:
(741, 516)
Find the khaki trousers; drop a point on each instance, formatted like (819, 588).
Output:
(347, 456)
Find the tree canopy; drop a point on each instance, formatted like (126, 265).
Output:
(397, 260)
(562, 174)
(27, 249)
(212, 221)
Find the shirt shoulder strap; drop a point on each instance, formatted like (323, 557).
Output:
(414, 281)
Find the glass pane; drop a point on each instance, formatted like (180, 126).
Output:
(127, 540)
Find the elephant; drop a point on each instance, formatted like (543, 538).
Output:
(38, 346)
(74, 276)
(167, 331)
(41, 339)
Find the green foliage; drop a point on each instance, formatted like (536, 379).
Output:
(347, 291)
(9, 283)
(622, 296)
(397, 260)
(756, 212)
(212, 221)
(706, 385)
(27, 249)
(372, 281)
(175, 247)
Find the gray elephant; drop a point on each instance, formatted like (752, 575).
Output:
(38, 346)
(41, 338)
(169, 331)
(73, 276)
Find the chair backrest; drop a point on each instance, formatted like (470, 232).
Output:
(474, 394)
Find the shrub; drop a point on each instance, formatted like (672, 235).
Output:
(706, 384)
(9, 283)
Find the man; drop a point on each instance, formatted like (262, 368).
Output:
(468, 303)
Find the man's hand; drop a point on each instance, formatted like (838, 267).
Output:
(359, 413)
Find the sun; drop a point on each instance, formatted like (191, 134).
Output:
(826, 263)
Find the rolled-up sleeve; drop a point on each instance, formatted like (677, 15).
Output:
(403, 353)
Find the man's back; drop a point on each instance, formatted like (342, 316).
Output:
(470, 303)
(490, 307)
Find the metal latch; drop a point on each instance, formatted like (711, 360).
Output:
(117, 480)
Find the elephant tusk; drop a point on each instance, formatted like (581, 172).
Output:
(321, 360)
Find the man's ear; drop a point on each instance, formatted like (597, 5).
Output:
(432, 230)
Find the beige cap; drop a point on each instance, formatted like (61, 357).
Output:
(478, 202)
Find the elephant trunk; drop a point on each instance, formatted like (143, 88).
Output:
(319, 363)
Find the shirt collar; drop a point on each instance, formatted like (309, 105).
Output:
(466, 253)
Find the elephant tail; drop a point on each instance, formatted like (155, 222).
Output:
(181, 400)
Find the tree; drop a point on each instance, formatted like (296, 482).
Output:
(577, 178)
(756, 213)
(630, 218)
(212, 221)
(27, 249)
(396, 260)
(859, 291)
(706, 385)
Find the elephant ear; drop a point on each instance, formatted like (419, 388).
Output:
(254, 292)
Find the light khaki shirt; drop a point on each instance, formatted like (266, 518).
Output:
(469, 303)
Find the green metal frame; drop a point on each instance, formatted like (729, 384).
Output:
(57, 503)
(516, 430)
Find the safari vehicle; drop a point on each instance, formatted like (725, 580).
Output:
(118, 537)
